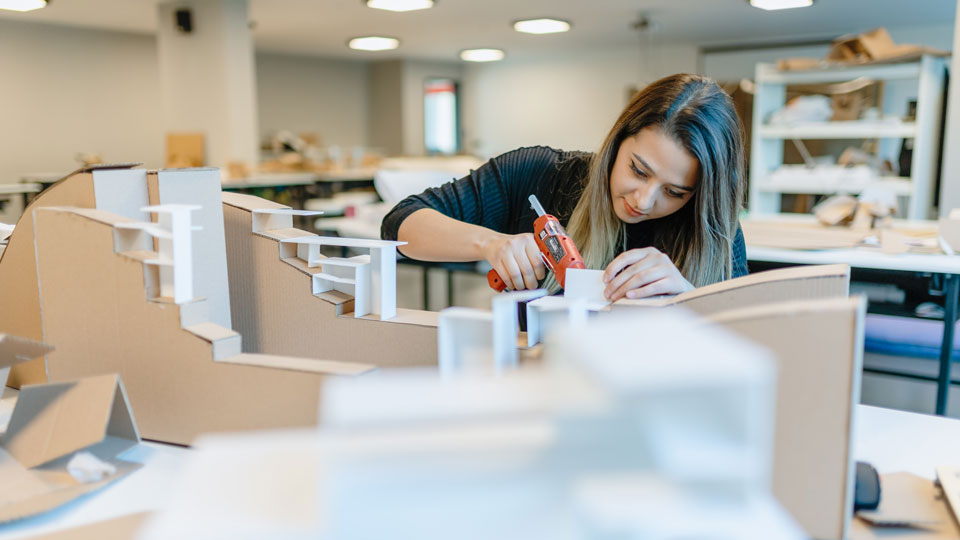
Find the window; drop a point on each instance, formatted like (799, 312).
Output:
(441, 121)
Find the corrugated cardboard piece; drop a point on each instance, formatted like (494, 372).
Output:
(18, 271)
(50, 423)
(53, 420)
(780, 285)
(176, 384)
(15, 350)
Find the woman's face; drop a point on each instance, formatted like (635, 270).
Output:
(652, 177)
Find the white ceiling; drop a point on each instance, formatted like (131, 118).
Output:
(322, 27)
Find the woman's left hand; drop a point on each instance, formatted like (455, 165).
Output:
(640, 273)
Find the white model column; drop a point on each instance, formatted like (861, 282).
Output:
(207, 77)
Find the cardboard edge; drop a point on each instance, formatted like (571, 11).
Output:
(34, 349)
(306, 365)
(248, 202)
(792, 273)
(408, 316)
(856, 383)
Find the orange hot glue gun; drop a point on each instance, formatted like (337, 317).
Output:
(556, 248)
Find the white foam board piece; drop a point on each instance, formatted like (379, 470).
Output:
(201, 187)
(506, 326)
(548, 313)
(176, 281)
(122, 192)
(464, 340)
(588, 285)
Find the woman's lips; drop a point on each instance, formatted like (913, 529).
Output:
(631, 211)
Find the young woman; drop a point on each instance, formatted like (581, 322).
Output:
(656, 207)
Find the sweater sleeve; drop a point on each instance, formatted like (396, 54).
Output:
(491, 196)
(739, 255)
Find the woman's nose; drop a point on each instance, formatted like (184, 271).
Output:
(644, 199)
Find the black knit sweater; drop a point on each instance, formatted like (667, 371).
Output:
(495, 196)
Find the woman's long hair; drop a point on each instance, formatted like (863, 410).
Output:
(698, 238)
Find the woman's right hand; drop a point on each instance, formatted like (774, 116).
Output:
(516, 258)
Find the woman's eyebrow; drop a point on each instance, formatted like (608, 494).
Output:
(645, 164)
(654, 173)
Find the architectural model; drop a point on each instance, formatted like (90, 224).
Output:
(126, 270)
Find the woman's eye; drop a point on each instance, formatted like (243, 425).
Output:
(675, 194)
(638, 171)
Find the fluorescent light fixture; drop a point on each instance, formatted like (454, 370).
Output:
(22, 5)
(541, 26)
(771, 5)
(374, 43)
(481, 55)
(400, 5)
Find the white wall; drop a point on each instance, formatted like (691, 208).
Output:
(567, 101)
(301, 93)
(68, 90)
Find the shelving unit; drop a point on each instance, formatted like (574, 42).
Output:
(768, 140)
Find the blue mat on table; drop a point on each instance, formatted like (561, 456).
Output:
(902, 336)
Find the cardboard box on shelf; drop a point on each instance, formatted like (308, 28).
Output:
(186, 150)
(873, 47)
(51, 423)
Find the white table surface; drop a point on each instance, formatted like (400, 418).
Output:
(262, 180)
(860, 257)
(7, 189)
(890, 440)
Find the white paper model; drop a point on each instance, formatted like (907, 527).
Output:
(464, 340)
(175, 249)
(598, 443)
(546, 314)
(383, 268)
(469, 338)
(588, 285)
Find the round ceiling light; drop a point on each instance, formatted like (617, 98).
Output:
(373, 43)
(481, 55)
(541, 26)
(400, 5)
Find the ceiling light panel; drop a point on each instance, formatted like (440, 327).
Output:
(22, 5)
(373, 43)
(400, 5)
(541, 26)
(771, 5)
(481, 55)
